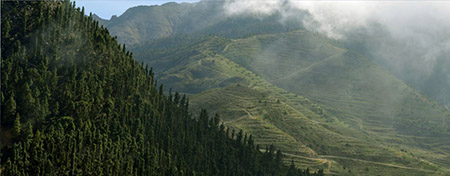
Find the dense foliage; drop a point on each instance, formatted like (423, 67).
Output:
(74, 102)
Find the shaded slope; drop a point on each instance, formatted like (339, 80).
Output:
(410, 64)
(141, 24)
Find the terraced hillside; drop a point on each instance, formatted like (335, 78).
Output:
(361, 94)
(243, 80)
(309, 66)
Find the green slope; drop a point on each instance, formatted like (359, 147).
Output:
(241, 79)
(141, 24)
(75, 102)
(343, 80)
(358, 92)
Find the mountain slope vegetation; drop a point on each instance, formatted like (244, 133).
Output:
(194, 19)
(352, 88)
(408, 64)
(74, 102)
(253, 81)
(324, 106)
(313, 68)
(210, 17)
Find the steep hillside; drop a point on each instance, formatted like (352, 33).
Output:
(358, 92)
(75, 102)
(241, 78)
(141, 24)
(310, 66)
(414, 65)
(135, 27)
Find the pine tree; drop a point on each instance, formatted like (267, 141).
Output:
(17, 126)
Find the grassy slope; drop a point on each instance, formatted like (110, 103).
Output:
(141, 24)
(361, 94)
(349, 79)
(311, 135)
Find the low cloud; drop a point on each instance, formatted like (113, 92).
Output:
(409, 37)
(335, 17)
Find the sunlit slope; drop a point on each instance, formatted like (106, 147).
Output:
(348, 83)
(265, 111)
(359, 93)
(274, 122)
(304, 130)
(141, 24)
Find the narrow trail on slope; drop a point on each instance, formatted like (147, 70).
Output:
(324, 159)
(309, 67)
(377, 163)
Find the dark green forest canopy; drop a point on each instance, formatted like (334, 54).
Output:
(74, 102)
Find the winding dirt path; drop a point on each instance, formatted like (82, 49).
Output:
(377, 163)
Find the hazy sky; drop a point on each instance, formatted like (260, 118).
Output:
(107, 8)
(401, 17)
(411, 37)
(422, 25)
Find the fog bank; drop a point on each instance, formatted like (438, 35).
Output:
(411, 39)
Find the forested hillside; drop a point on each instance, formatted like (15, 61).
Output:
(74, 102)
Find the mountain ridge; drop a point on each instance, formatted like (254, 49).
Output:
(134, 27)
(210, 17)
